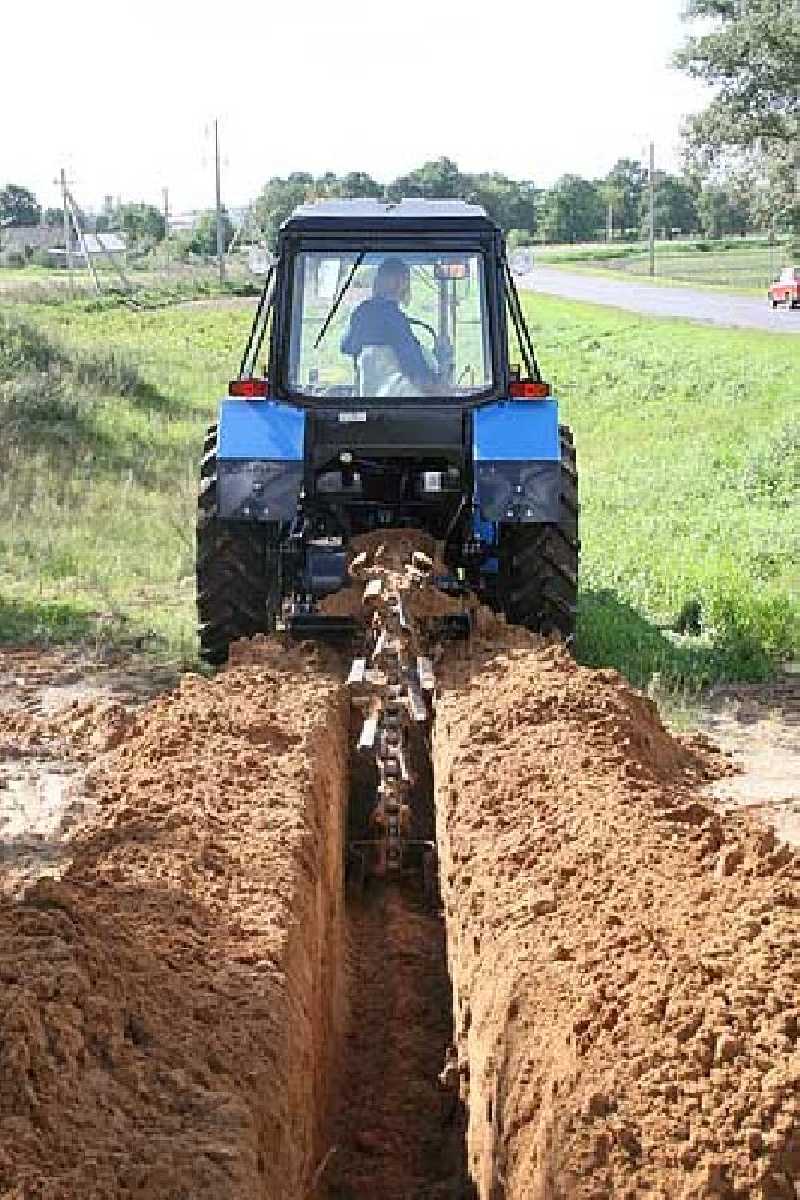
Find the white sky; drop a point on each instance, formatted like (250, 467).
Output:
(122, 94)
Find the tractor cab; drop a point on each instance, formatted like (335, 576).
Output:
(389, 381)
(391, 301)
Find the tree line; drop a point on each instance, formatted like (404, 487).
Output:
(574, 209)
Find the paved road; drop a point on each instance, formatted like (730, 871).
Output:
(715, 308)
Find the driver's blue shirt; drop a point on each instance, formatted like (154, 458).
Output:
(381, 322)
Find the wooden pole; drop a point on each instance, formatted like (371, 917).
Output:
(220, 236)
(165, 194)
(83, 244)
(67, 247)
(652, 208)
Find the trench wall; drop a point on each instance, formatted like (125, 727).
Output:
(625, 961)
(170, 1010)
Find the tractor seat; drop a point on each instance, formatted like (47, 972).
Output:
(379, 374)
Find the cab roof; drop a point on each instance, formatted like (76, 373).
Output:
(389, 216)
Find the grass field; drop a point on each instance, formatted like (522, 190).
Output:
(739, 265)
(689, 448)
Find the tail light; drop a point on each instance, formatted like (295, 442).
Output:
(249, 389)
(529, 389)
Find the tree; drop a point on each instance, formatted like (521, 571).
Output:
(439, 179)
(511, 204)
(623, 187)
(360, 185)
(675, 206)
(751, 56)
(53, 216)
(277, 200)
(140, 221)
(572, 210)
(204, 237)
(19, 206)
(721, 212)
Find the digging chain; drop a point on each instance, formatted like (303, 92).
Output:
(390, 683)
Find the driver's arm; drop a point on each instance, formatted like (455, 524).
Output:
(410, 357)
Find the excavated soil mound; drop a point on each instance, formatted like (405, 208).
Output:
(169, 1009)
(625, 962)
(392, 550)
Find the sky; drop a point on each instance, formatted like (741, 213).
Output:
(124, 96)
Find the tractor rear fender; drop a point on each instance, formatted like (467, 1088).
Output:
(259, 460)
(517, 454)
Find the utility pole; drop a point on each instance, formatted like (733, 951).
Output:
(220, 237)
(67, 246)
(652, 208)
(165, 195)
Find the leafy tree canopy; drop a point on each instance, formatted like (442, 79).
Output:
(622, 188)
(19, 206)
(675, 207)
(572, 210)
(140, 221)
(509, 202)
(751, 55)
(203, 239)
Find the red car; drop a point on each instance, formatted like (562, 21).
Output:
(786, 288)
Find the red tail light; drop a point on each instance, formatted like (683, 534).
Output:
(529, 389)
(249, 389)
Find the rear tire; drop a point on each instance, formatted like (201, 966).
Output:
(238, 584)
(538, 577)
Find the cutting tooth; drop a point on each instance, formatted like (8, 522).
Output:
(369, 732)
(357, 671)
(425, 674)
(416, 704)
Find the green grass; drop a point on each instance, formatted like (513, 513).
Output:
(746, 265)
(98, 465)
(688, 447)
(690, 469)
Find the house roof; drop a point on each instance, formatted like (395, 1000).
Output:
(97, 242)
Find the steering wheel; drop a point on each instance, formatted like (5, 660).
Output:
(442, 350)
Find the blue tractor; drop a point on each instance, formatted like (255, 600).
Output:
(400, 390)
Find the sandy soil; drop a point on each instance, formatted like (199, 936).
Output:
(759, 726)
(625, 957)
(171, 1006)
(190, 1009)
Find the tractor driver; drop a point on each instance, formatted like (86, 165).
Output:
(380, 321)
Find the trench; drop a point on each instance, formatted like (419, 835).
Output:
(194, 1009)
(396, 1130)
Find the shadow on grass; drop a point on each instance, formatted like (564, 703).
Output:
(43, 621)
(611, 633)
(44, 373)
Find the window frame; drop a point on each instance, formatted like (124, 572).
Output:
(281, 341)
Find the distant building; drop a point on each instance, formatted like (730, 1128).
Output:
(184, 222)
(96, 243)
(24, 239)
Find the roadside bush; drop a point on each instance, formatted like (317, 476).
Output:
(12, 258)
